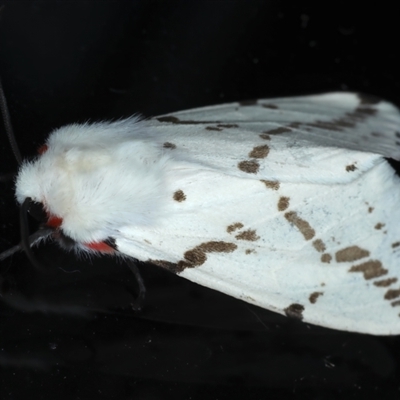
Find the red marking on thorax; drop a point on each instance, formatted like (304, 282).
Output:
(42, 149)
(54, 222)
(100, 246)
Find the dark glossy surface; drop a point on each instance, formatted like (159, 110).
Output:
(70, 333)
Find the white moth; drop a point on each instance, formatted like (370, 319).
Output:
(287, 203)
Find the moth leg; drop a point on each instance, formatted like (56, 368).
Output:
(138, 302)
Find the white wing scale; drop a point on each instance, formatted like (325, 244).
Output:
(285, 220)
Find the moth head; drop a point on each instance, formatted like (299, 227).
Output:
(50, 188)
(91, 180)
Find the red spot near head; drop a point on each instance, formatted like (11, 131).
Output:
(54, 222)
(100, 246)
(42, 149)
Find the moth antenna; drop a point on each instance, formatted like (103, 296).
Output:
(5, 112)
(26, 241)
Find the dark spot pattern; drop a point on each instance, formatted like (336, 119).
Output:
(295, 311)
(314, 297)
(326, 258)
(278, 131)
(228, 126)
(274, 185)
(392, 294)
(249, 166)
(283, 203)
(172, 267)
(179, 196)
(265, 136)
(259, 152)
(319, 245)
(349, 120)
(213, 128)
(350, 254)
(379, 225)
(168, 145)
(198, 255)
(233, 227)
(303, 226)
(175, 120)
(270, 106)
(249, 235)
(385, 282)
(350, 168)
(395, 244)
(171, 119)
(370, 269)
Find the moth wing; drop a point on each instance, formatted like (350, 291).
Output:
(340, 119)
(288, 222)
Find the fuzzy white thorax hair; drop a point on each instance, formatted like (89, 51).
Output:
(98, 178)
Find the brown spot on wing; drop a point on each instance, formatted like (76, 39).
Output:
(351, 253)
(169, 118)
(259, 152)
(274, 185)
(370, 209)
(249, 251)
(278, 131)
(385, 282)
(351, 167)
(228, 126)
(213, 128)
(395, 244)
(198, 255)
(179, 196)
(270, 106)
(168, 145)
(173, 267)
(392, 294)
(303, 226)
(349, 120)
(326, 258)
(283, 203)
(319, 245)
(379, 226)
(265, 136)
(176, 120)
(233, 227)
(370, 269)
(294, 311)
(249, 166)
(314, 297)
(249, 235)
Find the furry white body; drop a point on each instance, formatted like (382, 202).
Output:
(285, 203)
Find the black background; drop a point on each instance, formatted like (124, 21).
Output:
(69, 333)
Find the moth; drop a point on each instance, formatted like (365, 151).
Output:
(289, 203)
